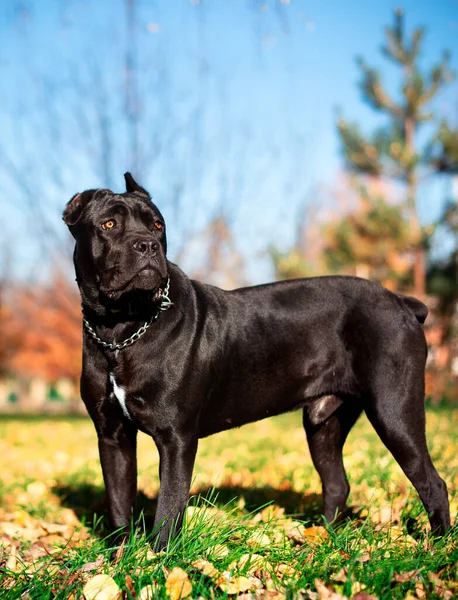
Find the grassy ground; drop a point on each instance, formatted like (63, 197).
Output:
(53, 539)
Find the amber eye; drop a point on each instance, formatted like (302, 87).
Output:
(158, 225)
(110, 224)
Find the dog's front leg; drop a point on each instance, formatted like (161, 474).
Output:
(118, 457)
(117, 439)
(177, 453)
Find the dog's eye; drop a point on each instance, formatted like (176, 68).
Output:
(158, 225)
(110, 224)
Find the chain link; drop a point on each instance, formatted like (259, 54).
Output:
(164, 305)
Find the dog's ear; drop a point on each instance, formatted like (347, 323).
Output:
(75, 207)
(132, 185)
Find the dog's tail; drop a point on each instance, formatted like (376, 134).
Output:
(419, 309)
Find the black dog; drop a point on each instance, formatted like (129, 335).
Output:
(333, 346)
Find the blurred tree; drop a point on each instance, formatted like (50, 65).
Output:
(48, 322)
(392, 151)
(443, 274)
(122, 102)
(369, 237)
(306, 258)
(10, 339)
(444, 158)
(375, 240)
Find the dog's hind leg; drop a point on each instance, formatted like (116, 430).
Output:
(326, 439)
(398, 416)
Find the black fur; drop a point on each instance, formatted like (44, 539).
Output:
(332, 346)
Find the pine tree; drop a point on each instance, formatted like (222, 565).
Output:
(393, 151)
(446, 160)
(371, 238)
(374, 240)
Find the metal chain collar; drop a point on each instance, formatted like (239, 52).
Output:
(165, 304)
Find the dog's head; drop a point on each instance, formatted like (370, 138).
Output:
(120, 247)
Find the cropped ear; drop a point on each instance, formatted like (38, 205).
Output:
(132, 185)
(75, 206)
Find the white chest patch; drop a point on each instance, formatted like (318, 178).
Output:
(120, 394)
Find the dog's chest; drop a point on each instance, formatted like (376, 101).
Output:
(127, 386)
(120, 394)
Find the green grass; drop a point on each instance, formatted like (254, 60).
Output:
(52, 523)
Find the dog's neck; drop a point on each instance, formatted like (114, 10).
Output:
(135, 307)
(130, 311)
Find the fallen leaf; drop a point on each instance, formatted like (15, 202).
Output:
(233, 585)
(101, 587)
(406, 576)
(258, 538)
(37, 490)
(357, 588)
(250, 562)
(92, 566)
(218, 551)
(311, 535)
(272, 512)
(365, 557)
(177, 584)
(56, 528)
(324, 593)
(119, 552)
(130, 586)
(440, 586)
(420, 590)
(341, 576)
(315, 534)
(269, 595)
(207, 568)
(283, 570)
(11, 563)
(147, 593)
(256, 583)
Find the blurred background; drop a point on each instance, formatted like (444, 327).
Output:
(280, 139)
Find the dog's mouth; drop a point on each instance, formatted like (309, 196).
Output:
(147, 281)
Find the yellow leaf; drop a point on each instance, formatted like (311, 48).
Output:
(206, 567)
(271, 512)
(233, 585)
(255, 583)
(341, 576)
(357, 588)
(101, 587)
(218, 550)
(147, 593)
(37, 490)
(258, 538)
(11, 563)
(177, 584)
(324, 593)
(315, 534)
(252, 562)
(284, 570)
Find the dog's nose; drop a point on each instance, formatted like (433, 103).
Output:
(146, 246)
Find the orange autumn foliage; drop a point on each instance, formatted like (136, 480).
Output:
(47, 322)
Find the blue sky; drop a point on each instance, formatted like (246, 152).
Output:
(236, 104)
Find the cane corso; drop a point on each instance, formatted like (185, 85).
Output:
(181, 360)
